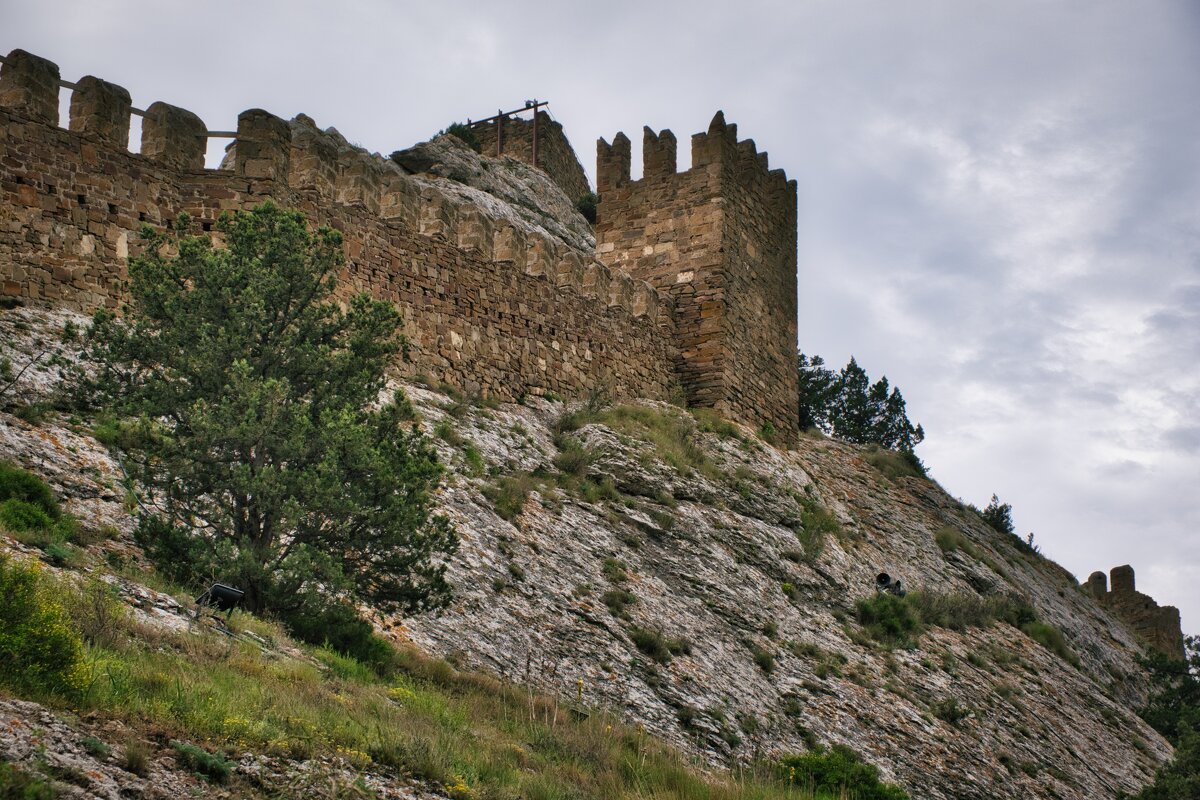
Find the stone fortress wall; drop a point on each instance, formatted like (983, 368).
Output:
(556, 157)
(720, 239)
(489, 307)
(1158, 625)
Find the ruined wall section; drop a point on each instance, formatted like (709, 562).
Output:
(489, 307)
(719, 238)
(556, 157)
(1158, 625)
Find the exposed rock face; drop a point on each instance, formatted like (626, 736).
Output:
(748, 644)
(714, 566)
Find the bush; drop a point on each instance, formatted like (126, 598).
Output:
(889, 619)
(651, 643)
(573, 459)
(214, 767)
(22, 517)
(19, 785)
(838, 772)
(509, 493)
(39, 650)
(339, 628)
(587, 206)
(949, 539)
(954, 610)
(17, 484)
(464, 133)
(1052, 639)
(895, 464)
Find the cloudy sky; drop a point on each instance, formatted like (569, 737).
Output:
(1000, 201)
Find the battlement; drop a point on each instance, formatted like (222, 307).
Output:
(720, 239)
(490, 305)
(1158, 625)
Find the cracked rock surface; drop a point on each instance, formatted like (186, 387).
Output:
(701, 601)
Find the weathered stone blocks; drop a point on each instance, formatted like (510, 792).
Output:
(29, 86)
(174, 136)
(101, 109)
(264, 146)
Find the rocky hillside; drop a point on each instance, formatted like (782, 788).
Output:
(695, 580)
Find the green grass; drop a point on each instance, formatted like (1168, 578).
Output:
(473, 734)
(950, 539)
(894, 465)
(671, 432)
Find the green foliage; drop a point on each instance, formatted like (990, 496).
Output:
(889, 619)
(671, 432)
(213, 767)
(838, 772)
(848, 406)
(508, 493)
(587, 206)
(273, 467)
(1174, 691)
(949, 539)
(573, 458)
(710, 421)
(651, 643)
(1178, 779)
(999, 516)
(16, 784)
(463, 132)
(340, 629)
(1052, 639)
(767, 432)
(763, 658)
(617, 600)
(950, 710)
(40, 652)
(17, 484)
(895, 464)
(21, 517)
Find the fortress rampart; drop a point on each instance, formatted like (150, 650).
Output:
(488, 307)
(556, 157)
(720, 239)
(692, 288)
(1158, 625)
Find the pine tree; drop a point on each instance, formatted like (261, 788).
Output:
(264, 448)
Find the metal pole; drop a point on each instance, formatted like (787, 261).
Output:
(499, 134)
(535, 126)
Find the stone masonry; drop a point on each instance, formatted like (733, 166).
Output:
(556, 157)
(720, 239)
(692, 292)
(1158, 625)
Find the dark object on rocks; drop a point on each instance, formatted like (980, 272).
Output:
(221, 597)
(884, 583)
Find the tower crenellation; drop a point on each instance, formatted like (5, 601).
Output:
(691, 284)
(720, 239)
(1158, 625)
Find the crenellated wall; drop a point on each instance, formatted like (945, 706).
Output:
(720, 239)
(1158, 625)
(556, 157)
(489, 307)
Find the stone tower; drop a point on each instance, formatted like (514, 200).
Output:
(719, 238)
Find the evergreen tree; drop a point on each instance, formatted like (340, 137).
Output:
(817, 388)
(850, 414)
(999, 516)
(263, 446)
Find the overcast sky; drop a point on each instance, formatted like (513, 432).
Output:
(999, 202)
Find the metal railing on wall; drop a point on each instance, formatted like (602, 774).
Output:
(138, 112)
